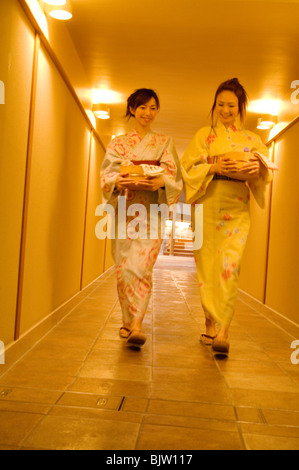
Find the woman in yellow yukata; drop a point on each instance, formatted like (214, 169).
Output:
(214, 182)
(135, 256)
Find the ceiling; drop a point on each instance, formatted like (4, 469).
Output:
(184, 49)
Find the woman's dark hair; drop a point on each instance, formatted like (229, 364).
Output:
(234, 86)
(140, 97)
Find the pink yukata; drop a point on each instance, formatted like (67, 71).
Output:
(135, 256)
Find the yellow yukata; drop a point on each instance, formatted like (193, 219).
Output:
(226, 217)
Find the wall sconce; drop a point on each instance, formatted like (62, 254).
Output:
(266, 121)
(101, 111)
(58, 9)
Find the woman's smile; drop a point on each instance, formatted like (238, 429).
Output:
(227, 107)
(145, 114)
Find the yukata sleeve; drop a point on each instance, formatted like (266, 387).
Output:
(109, 171)
(172, 175)
(258, 188)
(195, 167)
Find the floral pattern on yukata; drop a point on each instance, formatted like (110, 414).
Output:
(135, 257)
(226, 218)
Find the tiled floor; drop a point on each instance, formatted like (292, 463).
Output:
(80, 387)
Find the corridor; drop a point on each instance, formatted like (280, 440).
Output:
(80, 387)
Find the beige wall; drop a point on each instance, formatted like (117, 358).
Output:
(109, 259)
(57, 197)
(270, 268)
(254, 263)
(17, 46)
(56, 206)
(282, 293)
(94, 249)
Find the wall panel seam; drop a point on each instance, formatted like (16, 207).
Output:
(26, 187)
(86, 208)
(269, 228)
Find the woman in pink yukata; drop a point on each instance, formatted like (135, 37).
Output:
(135, 256)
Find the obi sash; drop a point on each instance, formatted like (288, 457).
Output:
(146, 162)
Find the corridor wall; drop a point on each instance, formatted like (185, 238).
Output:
(270, 271)
(50, 162)
(254, 263)
(282, 292)
(93, 248)
(16, 60)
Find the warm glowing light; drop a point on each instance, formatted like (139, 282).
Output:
(106, 96)
(39, 15)
(61, 14)
(91, 117)
(55, 2)
(101, 111)
(265, 106)
(119, 131)
(58, 9)
(103, 116)
(266, 121)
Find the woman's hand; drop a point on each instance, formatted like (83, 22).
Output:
(124, 181)
(224, 166)
(148, 183)
(228, 167)
(252, 167)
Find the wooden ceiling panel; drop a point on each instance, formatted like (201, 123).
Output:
(184, 49)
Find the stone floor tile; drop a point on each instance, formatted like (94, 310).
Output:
(81, 387)
(14, 426)
(61, 433)
(177, 438)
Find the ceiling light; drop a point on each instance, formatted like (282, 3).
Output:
(266, 121)
(104, 95)
(55, 2)
(101, 111)
(59, 9)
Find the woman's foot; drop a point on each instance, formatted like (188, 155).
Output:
(136, 338)
(124, 332)
(220, 347)
(208, 337)
(221, 344)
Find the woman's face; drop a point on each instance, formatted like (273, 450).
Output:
(227, 107)
(145, 113)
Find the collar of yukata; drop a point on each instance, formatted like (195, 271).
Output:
(237, 126)
(134, 133)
